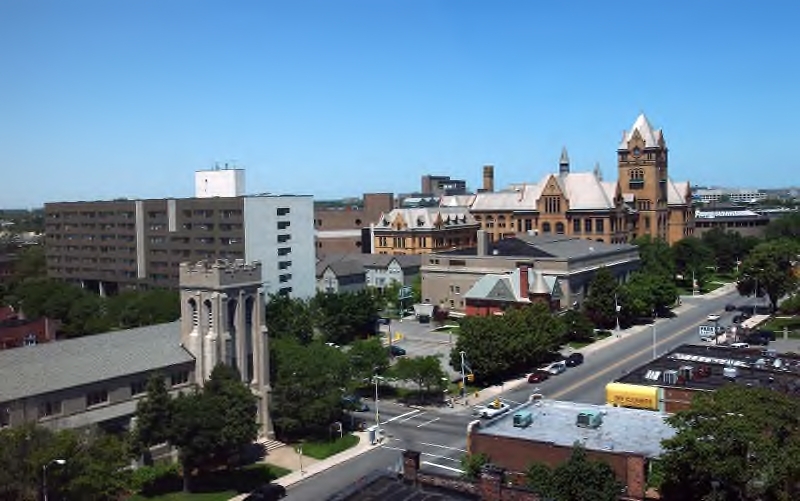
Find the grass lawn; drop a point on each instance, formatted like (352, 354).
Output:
(577, 345)
(219, 485)
(322, 450)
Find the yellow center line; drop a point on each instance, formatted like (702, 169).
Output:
(624, 361)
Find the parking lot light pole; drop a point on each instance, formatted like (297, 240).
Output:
(654, 333)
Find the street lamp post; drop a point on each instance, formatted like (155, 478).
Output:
(616, 311)
(44, 474)
(654, 333)
(376, 379)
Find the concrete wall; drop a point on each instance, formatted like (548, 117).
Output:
(262, 233)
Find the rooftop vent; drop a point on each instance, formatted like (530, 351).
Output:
(523, 419)
(589, 419)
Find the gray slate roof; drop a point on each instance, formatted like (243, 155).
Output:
(44, 368)
(629, 430)
(353, 264)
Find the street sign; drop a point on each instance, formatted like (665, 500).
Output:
(405, 293)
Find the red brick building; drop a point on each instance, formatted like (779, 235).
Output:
(16, 331)
(626, 439)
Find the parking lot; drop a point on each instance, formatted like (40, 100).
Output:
(420, 340)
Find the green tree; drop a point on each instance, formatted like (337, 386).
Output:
(31, 263)
(237, 408)
(153, 414)
(786, 226)
(769, 270)
(471, 465)
(426, 372)
(343, 317)
(578, 479)
(95, 467)
(193, 432)
(693, 258)
(577, 326)
(735, 443)
(367, 357)
(657, 257)
(500, 346)
(288, 317)
(728, 247)
(308, 386)
(600, 305)
(416, 289)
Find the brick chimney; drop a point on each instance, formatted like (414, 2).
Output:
(488, 178)
(410, 465)
(491, 483)
(523, 282)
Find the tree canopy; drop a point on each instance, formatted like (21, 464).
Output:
(500, 346)
(599, 304)
(578, 479)
(426, 372)
(786, 226)
(736, 443)
(769, 270)
(693, 258)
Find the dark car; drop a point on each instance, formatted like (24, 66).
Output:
(267, 492)
(354, 403)
(396, 351)
(730, 307)
(574, 360)
(424, 319)
(538, 376)
(757, 339)
(766, 334)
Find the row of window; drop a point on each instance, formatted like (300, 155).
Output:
(52, 408)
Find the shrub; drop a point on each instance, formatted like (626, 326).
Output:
(790, 306)
(157, 479)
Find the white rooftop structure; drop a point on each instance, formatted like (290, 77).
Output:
(219, 183)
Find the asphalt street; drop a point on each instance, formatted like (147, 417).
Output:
(440, 433)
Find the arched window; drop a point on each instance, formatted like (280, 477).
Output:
(209, 313)
(194, 313)
(545, 227)
(560, 228)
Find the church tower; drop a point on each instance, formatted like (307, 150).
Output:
(642, 163)
(222, 320)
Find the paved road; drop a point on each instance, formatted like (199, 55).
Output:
(440, 433)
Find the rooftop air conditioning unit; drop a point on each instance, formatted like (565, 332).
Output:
(589, 419)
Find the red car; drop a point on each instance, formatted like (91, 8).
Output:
(538, 376)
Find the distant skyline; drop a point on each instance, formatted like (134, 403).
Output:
(127, 98)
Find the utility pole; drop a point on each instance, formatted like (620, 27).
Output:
(654, 333)
(616, 311)
(463, 377)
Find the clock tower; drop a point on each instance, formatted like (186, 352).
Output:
(642, 164)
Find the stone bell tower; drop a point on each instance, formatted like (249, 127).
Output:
(222, 320)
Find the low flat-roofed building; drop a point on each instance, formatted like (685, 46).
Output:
(626, 439)
(689, 369)
(739, 219)
(91, 380)
(565, 264)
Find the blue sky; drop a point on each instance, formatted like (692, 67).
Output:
(127, 98)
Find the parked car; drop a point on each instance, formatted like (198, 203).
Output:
(354, 403)
(538, 376)
(491, 410)
(757, 339)
(556, 367)
(767, 334)
(574, 360)
(267, 492)
(424, 319)
(730, 307)
(740, 345)
(714, 317)
(396, 351)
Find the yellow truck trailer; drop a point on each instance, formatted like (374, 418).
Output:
(633, 395)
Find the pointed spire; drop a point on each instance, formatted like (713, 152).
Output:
(563, 162)
(642, 124)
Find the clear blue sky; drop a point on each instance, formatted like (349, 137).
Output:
(127, 98)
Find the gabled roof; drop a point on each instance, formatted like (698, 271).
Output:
(456, 200)
(677, 192)
(649, 135)
(505, 287)
(520, 198)
(352, 264)
(45, 368)
(425, 218)
(584, 191)
(343, 268)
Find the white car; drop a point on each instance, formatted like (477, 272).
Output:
(714, 317)
(492, 410)
(555, 368)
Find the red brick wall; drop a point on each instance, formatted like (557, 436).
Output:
(516, 455)
(13, 334)
(677, 399)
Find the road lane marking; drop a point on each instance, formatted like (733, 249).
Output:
(427, 422)
(624, 361)
(400, 416)
(412, 417)
(443, 466)
(443, 447)
(512, 401)
(423, 454)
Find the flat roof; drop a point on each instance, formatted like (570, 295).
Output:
(59, 365)
(543, 246)
(622, 430)
(754, 367)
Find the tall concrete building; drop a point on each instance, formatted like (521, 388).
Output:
(133, 244)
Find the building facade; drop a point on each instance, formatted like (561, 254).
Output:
(339, 225)
(643, 201)
(355, 272)
(738, 219)
(132, 244)
(566, 264)
(442, 185)
(424, 230)
(626, 439)
(17, 331)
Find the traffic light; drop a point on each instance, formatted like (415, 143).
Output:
(471, 377)
(460, 385)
